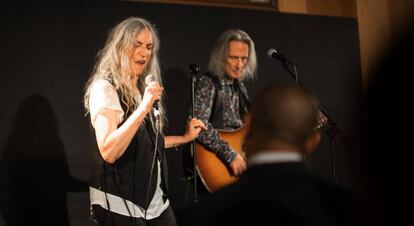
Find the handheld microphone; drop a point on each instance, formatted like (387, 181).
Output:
(148, 80)
(272, 53)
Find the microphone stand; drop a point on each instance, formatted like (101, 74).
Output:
(333, 129)
(194, 70)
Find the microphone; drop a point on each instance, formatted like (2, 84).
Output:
(194, 68)
(287, 64)
(272, 53)
(148, 80)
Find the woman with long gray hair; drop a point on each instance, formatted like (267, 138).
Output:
(128, 183)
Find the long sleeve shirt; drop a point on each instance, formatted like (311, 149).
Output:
(218, 100)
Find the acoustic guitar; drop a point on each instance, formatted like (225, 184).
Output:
(212, 170)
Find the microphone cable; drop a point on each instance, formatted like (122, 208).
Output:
(152, 167)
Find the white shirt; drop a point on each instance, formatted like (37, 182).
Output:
(104, 96)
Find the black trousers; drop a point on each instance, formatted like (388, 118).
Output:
(104, 217)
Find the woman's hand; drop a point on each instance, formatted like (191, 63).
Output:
(194, 127)
(152, 93)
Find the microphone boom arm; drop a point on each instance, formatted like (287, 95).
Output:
(333, 130)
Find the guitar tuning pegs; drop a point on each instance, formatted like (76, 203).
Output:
(322, 121)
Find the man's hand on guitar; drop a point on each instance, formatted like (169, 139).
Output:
(238, 165)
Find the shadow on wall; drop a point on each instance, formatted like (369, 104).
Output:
(177, 84)
(180, 163)
(35, 175)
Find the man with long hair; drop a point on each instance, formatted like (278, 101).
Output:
(221, 97)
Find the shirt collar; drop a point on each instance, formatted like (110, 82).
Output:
(226, 81)
(275, 157)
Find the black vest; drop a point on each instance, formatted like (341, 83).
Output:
(128, 177)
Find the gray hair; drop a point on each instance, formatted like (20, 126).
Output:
(219, 53)
(113, 63)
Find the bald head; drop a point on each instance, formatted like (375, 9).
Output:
(284, 115)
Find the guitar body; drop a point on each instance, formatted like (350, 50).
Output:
(213, 172)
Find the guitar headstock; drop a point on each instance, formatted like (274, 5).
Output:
(322, 121)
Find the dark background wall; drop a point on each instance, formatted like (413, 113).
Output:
(48, 51)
